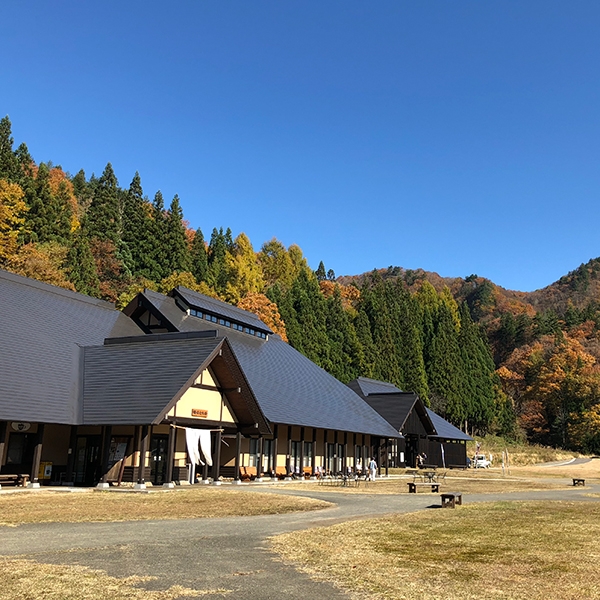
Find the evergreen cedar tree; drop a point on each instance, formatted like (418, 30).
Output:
(475, 353)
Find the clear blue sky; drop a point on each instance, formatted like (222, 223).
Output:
(459, 137)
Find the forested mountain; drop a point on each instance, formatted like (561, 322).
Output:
(488, 359)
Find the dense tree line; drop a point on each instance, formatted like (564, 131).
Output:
(484, 365)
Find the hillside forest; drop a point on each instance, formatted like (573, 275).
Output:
(522, 365)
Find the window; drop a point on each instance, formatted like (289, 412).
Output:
(252, 459)
(307, 454)
(20, 448)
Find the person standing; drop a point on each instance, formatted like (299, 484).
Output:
(372, 469)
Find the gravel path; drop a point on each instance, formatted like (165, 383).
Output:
(229, 553)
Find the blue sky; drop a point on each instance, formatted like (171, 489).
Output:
(458, 137)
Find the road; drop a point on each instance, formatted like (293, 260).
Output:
(228, 553)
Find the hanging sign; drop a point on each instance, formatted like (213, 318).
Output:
(199, 412)
(21, 426)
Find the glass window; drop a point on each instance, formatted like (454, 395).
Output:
(253, 453)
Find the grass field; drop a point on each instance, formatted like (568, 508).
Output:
(29, 580)
(46, 506)
(504, 550)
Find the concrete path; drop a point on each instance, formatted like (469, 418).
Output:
(229, 553)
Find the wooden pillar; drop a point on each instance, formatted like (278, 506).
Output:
(313, 465)
(238, 451)
(325, 433)
(106, 436)
(145, 435)
(288, 462)
(302, 452)
(170, 457)
(259, 458)
(387, 457)
(217, 458)
(275, 436)
(71, 456)
(137, 441)
(345, 453)
(3, 436)
(37, 457)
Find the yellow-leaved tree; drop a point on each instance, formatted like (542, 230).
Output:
(12, 219)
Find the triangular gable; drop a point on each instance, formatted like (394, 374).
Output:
(139, 380)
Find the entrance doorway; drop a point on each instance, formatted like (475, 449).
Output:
(159, 448)
(87, 460)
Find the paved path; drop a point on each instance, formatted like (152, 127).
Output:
(229, 553)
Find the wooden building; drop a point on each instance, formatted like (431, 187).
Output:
(93, 396)
(423, 431)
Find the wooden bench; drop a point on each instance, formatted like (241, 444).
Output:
(577, 481)
(15, 479)
(413, 485)
(248, 473)
(451, 499)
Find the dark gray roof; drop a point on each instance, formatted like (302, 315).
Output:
(289, 387)
(42, 330)
(219, 308)
(364, 386)
(395, 406)
(446, 430)
(134, 382)
(137, 380)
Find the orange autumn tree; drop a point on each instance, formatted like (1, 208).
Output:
(267, 312)
(551, 381)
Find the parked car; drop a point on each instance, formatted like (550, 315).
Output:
(481, 461)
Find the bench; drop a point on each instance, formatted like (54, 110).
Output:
(451, 499)
(412, 486)
(15, 479)
(248, 473)
(577, 481)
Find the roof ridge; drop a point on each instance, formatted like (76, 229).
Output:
(54, 289)
(216, 300)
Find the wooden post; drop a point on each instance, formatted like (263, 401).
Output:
(137, 441)
(325, 433)
(106, 437)
(37, 457)
(141, 480)
(259, 458)
(170, 457)
(275, 436)
(71, 457)
(238, 451)
(313, 465)
(387, 457)
(217, 458)
(3, 436)
(345, 453)
(288, 461)
(302, 452)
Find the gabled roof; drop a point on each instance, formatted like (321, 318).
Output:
(446, 430)
(289, 387)
(396, 407)
(138, 380)
(219, 308)
(42, 330)
(364, 386)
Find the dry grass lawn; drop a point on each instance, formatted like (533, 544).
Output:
(28, 580)
(515, 551)
(57, 507)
